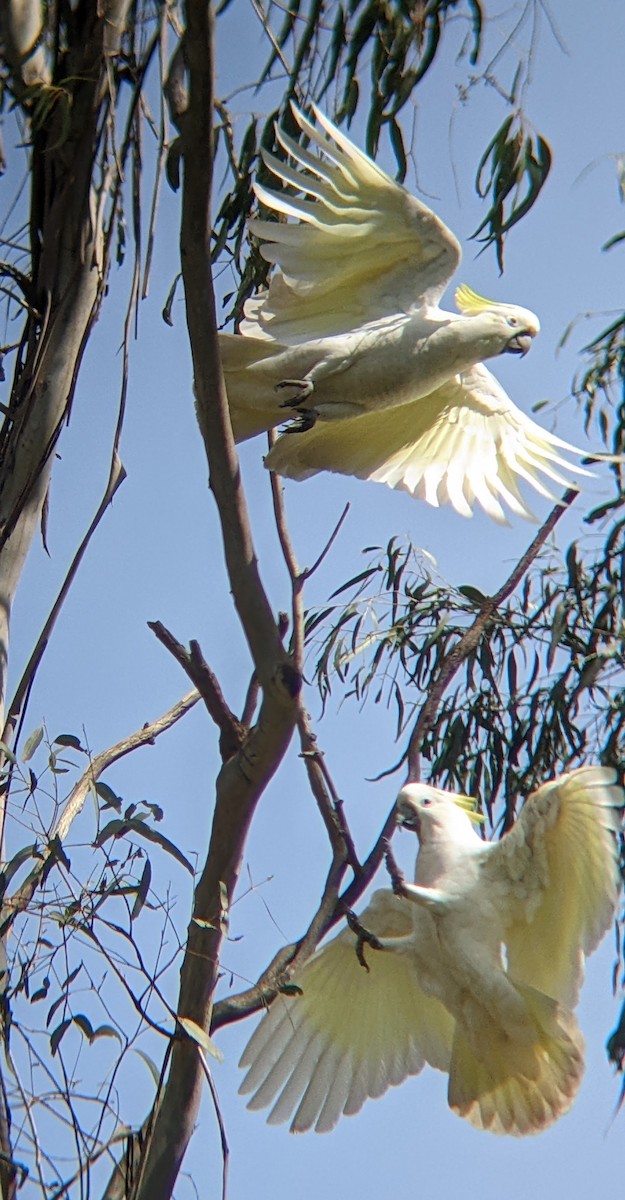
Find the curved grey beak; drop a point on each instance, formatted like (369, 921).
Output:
(407, 815)
(519, 344)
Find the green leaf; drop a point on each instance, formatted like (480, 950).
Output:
(108, 796)
(52, 761)
(150, 1064)
(353, 581)
(119, 827)
(169, 303)
(114, 828)
(199, 1035)
(614, 241)
(154, 835)
(57, 1036)
(69, 739)
(41, 992)
(8, 753)
(18, 860)
(105, 1031)
(142, 890)
(71, 977)
(56, 853)
(397, 142)
(32, 742)
(473, 594)
(172, 164)
(557, 630)
(85, 1026)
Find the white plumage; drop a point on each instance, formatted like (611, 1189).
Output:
(350, 338)
(481, 964)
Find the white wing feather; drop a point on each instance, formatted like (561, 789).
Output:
(351, 1035)
(557, 877)
(364, 248)
(466, 441)
(441, 992)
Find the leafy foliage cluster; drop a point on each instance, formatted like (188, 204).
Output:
(395, 44)
(544, 685)
(71, 912)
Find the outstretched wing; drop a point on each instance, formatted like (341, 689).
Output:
(362, 249)
(466, 441)
(557, 875)
(351, 1034)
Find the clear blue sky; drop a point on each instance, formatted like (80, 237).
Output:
(158, 556)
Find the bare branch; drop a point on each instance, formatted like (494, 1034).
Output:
(232, 732)
(288, 959)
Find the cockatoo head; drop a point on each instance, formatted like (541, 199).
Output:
(514, 327)
(428, 810)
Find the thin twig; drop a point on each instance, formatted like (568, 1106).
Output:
(76, 799)
(225, 1149)
(297, 576)
(319, 777)
(251, 700)
(309, 571)
(232, 732)
(277, 49)
(289, 958)
(292, 565)
(117, 475)
(324, 791)
(474, 633)
(61, 1192)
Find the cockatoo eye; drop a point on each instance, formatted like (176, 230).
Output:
(513, 322)
(427, 800)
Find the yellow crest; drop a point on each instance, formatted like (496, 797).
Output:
(468, 803)
(470, 303)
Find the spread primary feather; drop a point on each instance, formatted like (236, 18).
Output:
(440, 990)
(350, 337)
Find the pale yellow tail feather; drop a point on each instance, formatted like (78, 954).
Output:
(519, 1086)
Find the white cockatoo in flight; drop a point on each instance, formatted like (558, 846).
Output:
(477, 969)
(350, 339)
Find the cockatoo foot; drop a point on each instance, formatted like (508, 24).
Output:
(306, 419)
(363, 938)
(303, 389)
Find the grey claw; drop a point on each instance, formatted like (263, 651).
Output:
(305, 419)
(363, 938)
(304, 389)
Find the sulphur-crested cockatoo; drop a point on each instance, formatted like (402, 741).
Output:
(478, 969)
(349, 337)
